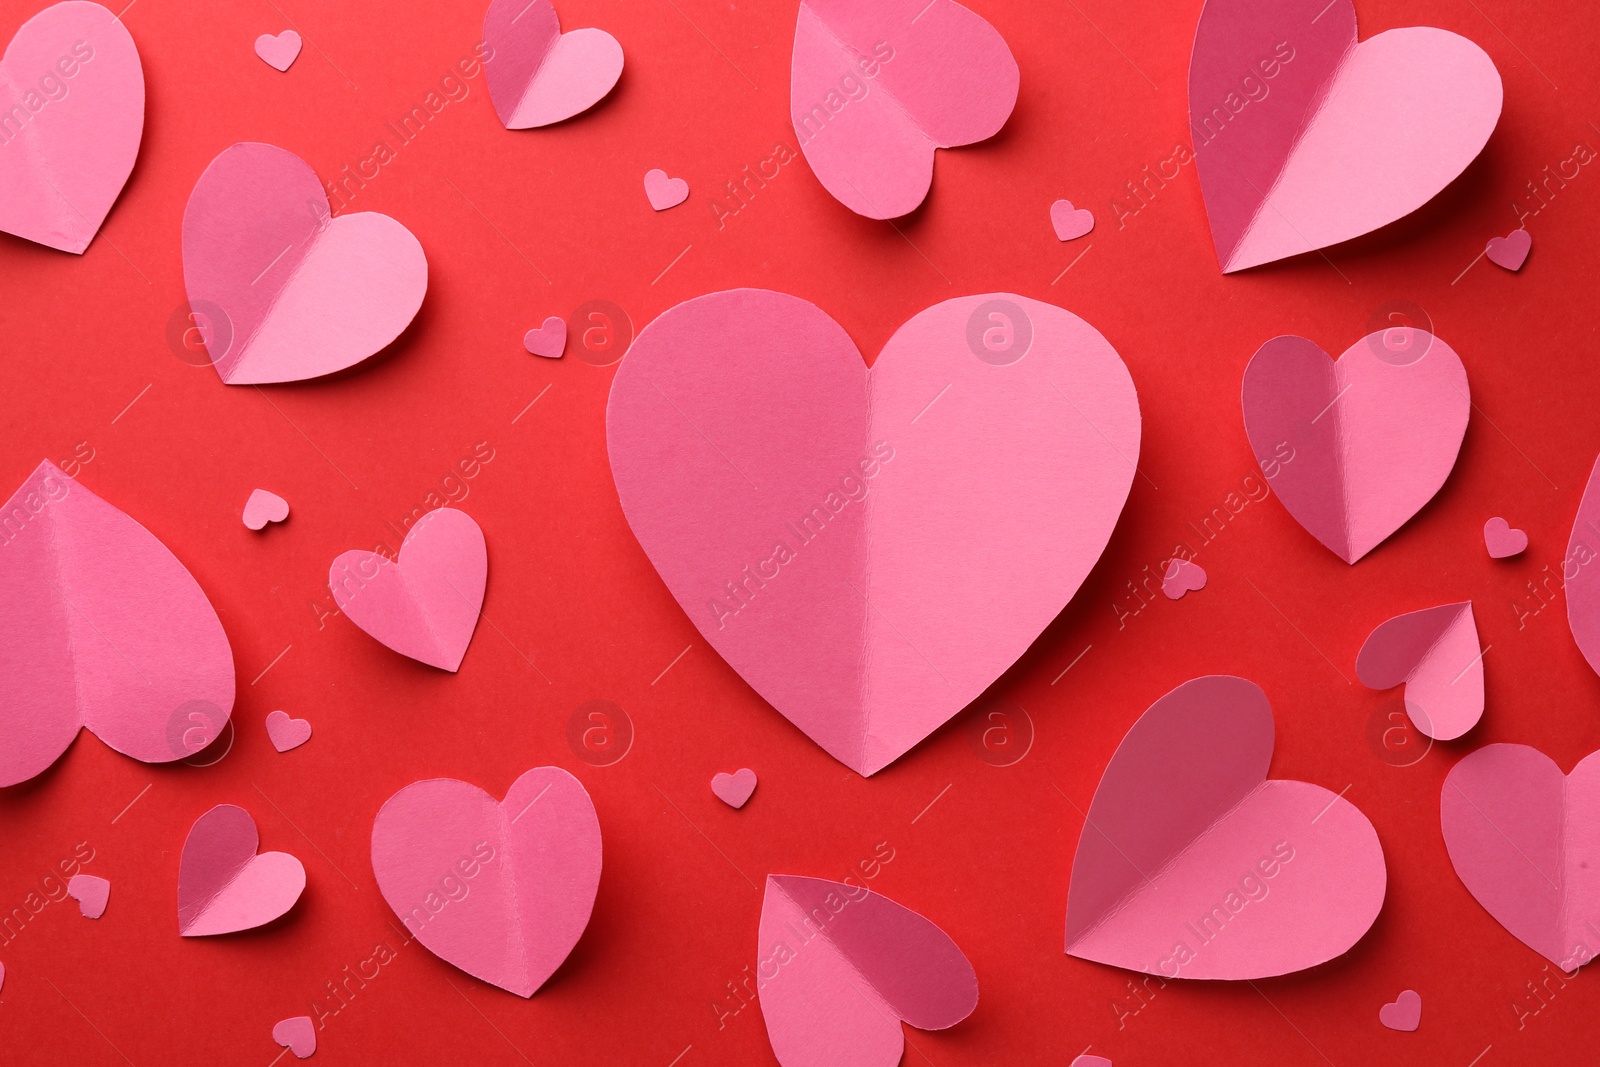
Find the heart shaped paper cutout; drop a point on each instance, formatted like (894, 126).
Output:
(280, 289)
(1182, 576)
(264, 507)
(103, 629)
(530, 866)
(1355, 448)
(1436, 653)
(1525, 841)
(851, 966)
(73, 76)
(734, 789)
(1581, 578)
(1305, 138)
(746, 433)
(1404, 1013)
(877, 85)
(1070, 223)
(538, 75)
(1510, 251)
(298, 1035)
(664, 192)
(549, 340)
(425, 604)
(91, 892)
(279, 52)
(224, 885)
(1194, 864)
(1502, 541)
(287, 733)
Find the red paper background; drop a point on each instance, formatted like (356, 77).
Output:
(521, 225)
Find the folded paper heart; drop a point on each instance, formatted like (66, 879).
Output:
(103, 629)
(850, 967)
(298, 1035)
(734, 789)
(1305, 137)
(1510, 251)
(943, 507)
(1583, 586)
(549, 340)
(1355, 448)
(538, 75)
(1182, 576)
(664, 192)
(1436, 653)
(1194, 864)
(1087, 1060)
(287, 733)
(530, 865)
(1403, 1013)
(425, 603)
(279, 52)
(1070, 223)
(264, 507)
(66, 152)
(224, 885)
(279, 289)
(876, 86)
(1502, 541)
(91, 892)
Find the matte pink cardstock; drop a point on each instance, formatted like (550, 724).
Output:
(734, 789)
(1436, 653)
(871, 549)
(1581, 576)
(224, 885)
(91, 892)
(538, 75)
(1194, 864)
(1404, 1013)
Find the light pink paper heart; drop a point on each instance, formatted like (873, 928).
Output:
(264, 507)
(851, 966)
(287, 733)
(298, 1035)
(1436, 653)
(549, 340)
(734, 789)
(1510, 251)
(281, 51)
(224, 885)
(1581, 577)
(424, 604)
(1403, 1013)
(1070, 223)
(91, 892)
(282, 290)
(1525, 841)
(103, 629)
(72, 89)
(529, 865)
(664, 192)
(1355, 448)
(1502, 541)
(871, 550)
(877, 85)
(1182, 576)
(538, 75)
(1194, 864)
(1087, 1060)
(1305, 138)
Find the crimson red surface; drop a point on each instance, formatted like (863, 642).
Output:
(521, 225)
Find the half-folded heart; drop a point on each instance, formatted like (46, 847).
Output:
(538, 75)
(224, 885)
(1580, 575)
(1436, 653)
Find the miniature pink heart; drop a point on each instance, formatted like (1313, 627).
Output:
(281, 51)
(1070, 223)
(65, 153)
(1403, 1013)
(664, 192)
(1510, 251)
(224, 885)
(287, 733)
(529, 865)
(1502, 541)
(424, 604)
(549, 340)
(91, 892)
(264, 507)
(1182, 576)
(734, 789)
(298, 1035)
(1087, 1060)
(1436, 653)
(538, 75)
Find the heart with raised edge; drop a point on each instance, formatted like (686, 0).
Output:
(1070, 222)
(1404, 1013)
(298, 1035)
(538, 75)
(734, 789)
(1436, 653)
(549, 340)
(224, 884)
(279, 52)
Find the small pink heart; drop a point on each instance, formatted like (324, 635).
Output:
(1436, 653)
(1403, 1013)
(1183, 576)
(664, 192)
(538, 75)
(264, 507)
(281, 51)
(1070, 223)
(1087, 1060)
(91, 893)
(297, 1035)
(549, 340)
(1502, 541)
(734, 789)
(1510, 251)
(287, 733)
(224, 885)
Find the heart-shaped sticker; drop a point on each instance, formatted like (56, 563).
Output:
(280, 51)
(224, 885)
(1436, 653)
(734, 789)
(538, 75)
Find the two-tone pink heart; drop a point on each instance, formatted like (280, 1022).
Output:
(224, 884)
(538, 75)
(1436, 654)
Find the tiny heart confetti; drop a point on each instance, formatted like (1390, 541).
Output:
(1510, 251)
(1403, 1013)
(549, 340)
(279, 51)
(734, 789)
(298, 1035)
(285, 732)
(224, 885)
(264, 507)
(91, 892)
(1502, 541)
(1182, 576)
(664, 192)
(1070, 222)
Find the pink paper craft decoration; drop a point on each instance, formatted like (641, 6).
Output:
(91, 892)
(1583, 587)
(1404, 1013)
(298, 1035)
(1503, 542)
(1355, 448)
(871, 549)
(1070, 223)
(103, 629)
(851, 967)
(425, 604)
(1510, 251)
(287, 733)
(538, 75)
(224, 885)
(1194, 864)
(664, 192)
(734, 789)
(549, 340)
(877, 85)
(502, 890)
(1436, 653)
(282, 290)
(279, 52)
(1525, 841)
(1182, 576)
(1305, 138)
(264, 507)
(1087, 1060)
(72, 89)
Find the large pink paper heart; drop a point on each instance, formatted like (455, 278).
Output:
(1525, 841)
(501, 890)
(1305, 138)
(103, 628)
(538, 75)
(425, 603)
(877, 85)
(224, 885)
(1194, 864)
(72, 93)
(870, 550)
(842, 967)
(1436, 653)
(1580, 574)
(1354, 448)
(280, 289)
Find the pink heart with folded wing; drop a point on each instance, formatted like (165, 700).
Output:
(538, 75)
(1436, 653)
(280, 51)
(91, 892)
(224, 885)
(1583, 585)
